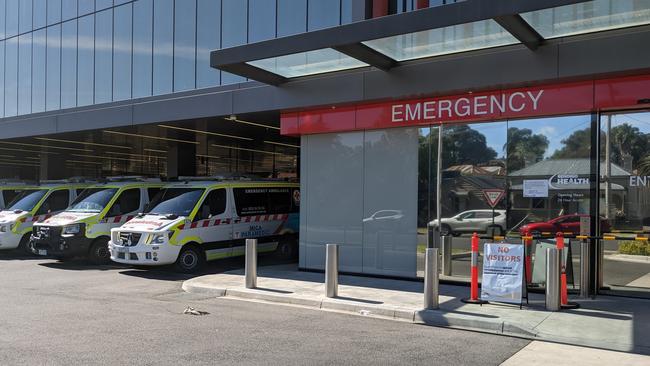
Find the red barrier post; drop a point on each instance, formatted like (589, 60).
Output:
(528, 243)
(473, 294)
(564, 297)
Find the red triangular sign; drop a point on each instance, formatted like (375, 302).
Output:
(493, 196)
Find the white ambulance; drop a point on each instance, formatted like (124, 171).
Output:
(84, 228)
(194, 221)
(9, 189)
(32, 205)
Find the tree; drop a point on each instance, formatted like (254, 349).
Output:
(524, 148)
(577, 145)
(628, 144)
(463, 145)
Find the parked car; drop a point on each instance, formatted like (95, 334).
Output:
(564, 223)
(472, 221)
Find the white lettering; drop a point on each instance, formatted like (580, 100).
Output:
(512, 98)
(397, 114)
(428, 110)
(501, 105)
(466, 110)
(413, 112)
(535, 99)
(478, 104)
(444, 105)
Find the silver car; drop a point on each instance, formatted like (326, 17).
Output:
(472, 221)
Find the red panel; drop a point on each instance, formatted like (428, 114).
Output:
(332, 119)
(622, 92)
(289, 124)
(379, 8)
(423, 4)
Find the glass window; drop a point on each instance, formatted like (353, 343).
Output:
(103, 4)
(251, 201)
(68, 9)
(261, 20)
(11, 77)
(38, 71)
(323, 14)
(103, 56)
(69, 62)
(85, 60)
(2, 79)
(119, 2)
(152, 192)
(128, 202)
(40, 13)
(122, 52)
(208, 38)
(86, 7)
(142, 42)
(588, 17)
(93, 200)
(25, 73)
(279, 200)
(55, 202)
(3, 8)
(234, 31)
(346, 11)
(163, 47)
(214, 204)
(292, 17)
(175, 201)
(457, 38)
(184, 45)
(8, 195)
(53, 11)
(53, 82)
(26, 200)
(11, 21)
(308, 63)
(25, 16)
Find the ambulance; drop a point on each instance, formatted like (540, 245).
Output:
(31, 205)
(83, 230)
(195, 221)
(9, 189)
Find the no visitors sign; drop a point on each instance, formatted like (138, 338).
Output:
(503, 266)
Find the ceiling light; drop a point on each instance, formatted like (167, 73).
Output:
(83, 162)
(11, 156)
(83, 143)
(154, 150)
(150, 137)
(206, 132)
(136, 155)
(105, 157)
(45, 146)
(20, 164)
(241, 148)
(281, 144)
(29, 151)
(234, 119)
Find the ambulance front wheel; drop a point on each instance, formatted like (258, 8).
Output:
(191, 259)
(23, 246)
(287, 249)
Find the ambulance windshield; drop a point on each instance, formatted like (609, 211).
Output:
(93, 200)
(175, 201)
(26, 200)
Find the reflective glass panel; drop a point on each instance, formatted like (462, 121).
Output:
(25, 74)
(457, 38)
(103, 56)
(86, 7)
(308, 63)
(40, 13)
(2, 78)
(292, 15)
(25, 16)
(103, 4)
(208, 38)
(163, 46)
(11, 21)
(142, 43)
(323, 14)
(85, 60)
(69, 64)
(39, 42)
(591, 16)
(122, 52)
(53, 11)
(184, 45)
(11, 77)
(234, 31)
(68, 9)
(3, 6)
(53, 83)
(261, 20)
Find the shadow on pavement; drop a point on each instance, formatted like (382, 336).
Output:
(80, 265)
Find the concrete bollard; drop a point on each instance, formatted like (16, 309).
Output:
(584, 268)
(553, 300)
(431, 288)
(446, 255)
(332, 270)
(251, 263)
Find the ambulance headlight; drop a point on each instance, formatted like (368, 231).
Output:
(157, 239)
(71, 229)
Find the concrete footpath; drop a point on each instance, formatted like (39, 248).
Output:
(613, 323)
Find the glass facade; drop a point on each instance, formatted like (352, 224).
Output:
(69, 53)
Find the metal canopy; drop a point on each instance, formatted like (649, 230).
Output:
(385, 42)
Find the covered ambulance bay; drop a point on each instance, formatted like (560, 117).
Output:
(414, 117)
(246, 144)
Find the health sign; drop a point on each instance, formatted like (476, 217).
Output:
(503, 272)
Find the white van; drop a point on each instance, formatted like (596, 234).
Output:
(194, 221)
(32, 205)
(9, 189)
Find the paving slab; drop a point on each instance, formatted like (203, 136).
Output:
(545, 353)
(614, 323)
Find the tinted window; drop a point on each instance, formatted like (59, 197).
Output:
(8, 195)
(39, 13)
(93, 200)
(12, 17)
(53, 82)
(251, 201)
(184, 45)
(234, 31)
(25, 73)
(53, 11)
(68, 9)
(142, 39)
(152, 192)
(11, 77)
(122, 53)
(69, 62)
(56, 201)
(103, 56)
(25, 20)
(175, 201)
(2, 77)
(279, 200)
(27, 200)
(214, 204)
(85, 60)
(38, 70)
(163, 46)
(208, 37)
(127, 202)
